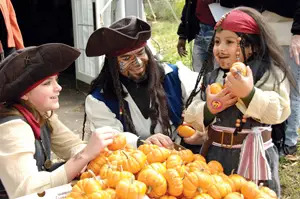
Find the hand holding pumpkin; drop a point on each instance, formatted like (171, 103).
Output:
(239, 85)
(97, 142)
(197, 138)
(220, 101)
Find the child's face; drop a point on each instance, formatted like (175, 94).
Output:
(133, 64)
(44, 97)
(226, 47)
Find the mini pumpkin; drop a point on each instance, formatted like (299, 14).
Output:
(196, 182)
(185, 130)
(130, 188)
(240, 67)
(238, 181)
(174, 161)
(215, 167)
(85, 187)
(174, 181)
(250, 190)
(155, 182)
(119, 142)
(234, 195)
(203, 196)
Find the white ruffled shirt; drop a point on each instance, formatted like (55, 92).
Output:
(99, 115)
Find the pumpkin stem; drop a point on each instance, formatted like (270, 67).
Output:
(93, 174)
(232, 171)
(149, 190)
(125, 154)
(199, 189)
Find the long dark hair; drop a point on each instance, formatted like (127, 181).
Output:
(265, 49)
(109, 81)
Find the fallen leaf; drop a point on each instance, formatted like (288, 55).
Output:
(291, 157)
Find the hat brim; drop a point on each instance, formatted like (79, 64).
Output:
(24, 68)
(107, 41)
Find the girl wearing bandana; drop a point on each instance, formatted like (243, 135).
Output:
(236, 122)
(29, 93)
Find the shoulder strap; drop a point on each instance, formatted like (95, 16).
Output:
(9, 118)
(172, 86)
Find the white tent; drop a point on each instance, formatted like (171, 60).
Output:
(89, 15)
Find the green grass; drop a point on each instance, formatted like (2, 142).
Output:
(164, 32)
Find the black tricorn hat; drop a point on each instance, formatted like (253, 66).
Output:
(25, 67)
(123, 36)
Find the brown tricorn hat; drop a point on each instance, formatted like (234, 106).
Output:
(121, 37)
(25, 67)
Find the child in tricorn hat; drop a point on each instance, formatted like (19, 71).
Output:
(238, 119)
(134, 92)
(30, 130)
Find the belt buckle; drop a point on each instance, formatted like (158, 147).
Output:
(231, 140)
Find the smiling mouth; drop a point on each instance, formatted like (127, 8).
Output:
(56, 97)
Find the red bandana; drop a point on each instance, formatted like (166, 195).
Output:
(238, 21)
(35, 126)
(36, 84)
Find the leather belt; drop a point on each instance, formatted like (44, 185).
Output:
(228, 139)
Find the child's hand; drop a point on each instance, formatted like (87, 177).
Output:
(196, 139)
(219, 102)
(97, 142)
(239, 85)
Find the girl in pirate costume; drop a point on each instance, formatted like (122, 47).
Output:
(237, 131)
(29, 129)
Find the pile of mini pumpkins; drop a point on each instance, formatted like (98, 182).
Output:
(121, 172)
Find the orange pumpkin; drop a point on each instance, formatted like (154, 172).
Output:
(234, 195)
(215, 167)
(157, 166)
(119, 142)
(134, 161)
(184, 130)
(99, 195)
(238, 181)
(96, 164)
(129, 188)
(199, 166)
(240, 67)
(228, 180)
(219, 188)
(174, 181)
(199, 157)
(105, 169)
(174, 161)
(159, 154)
(85, 175)
(196, 182)
(167, 197)
(215, 88)
(114, 177)
(155, 182)
(84, 188)
(186, 155)
(112, 193)
(268, 191)
(203, 196)
(250, 190)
